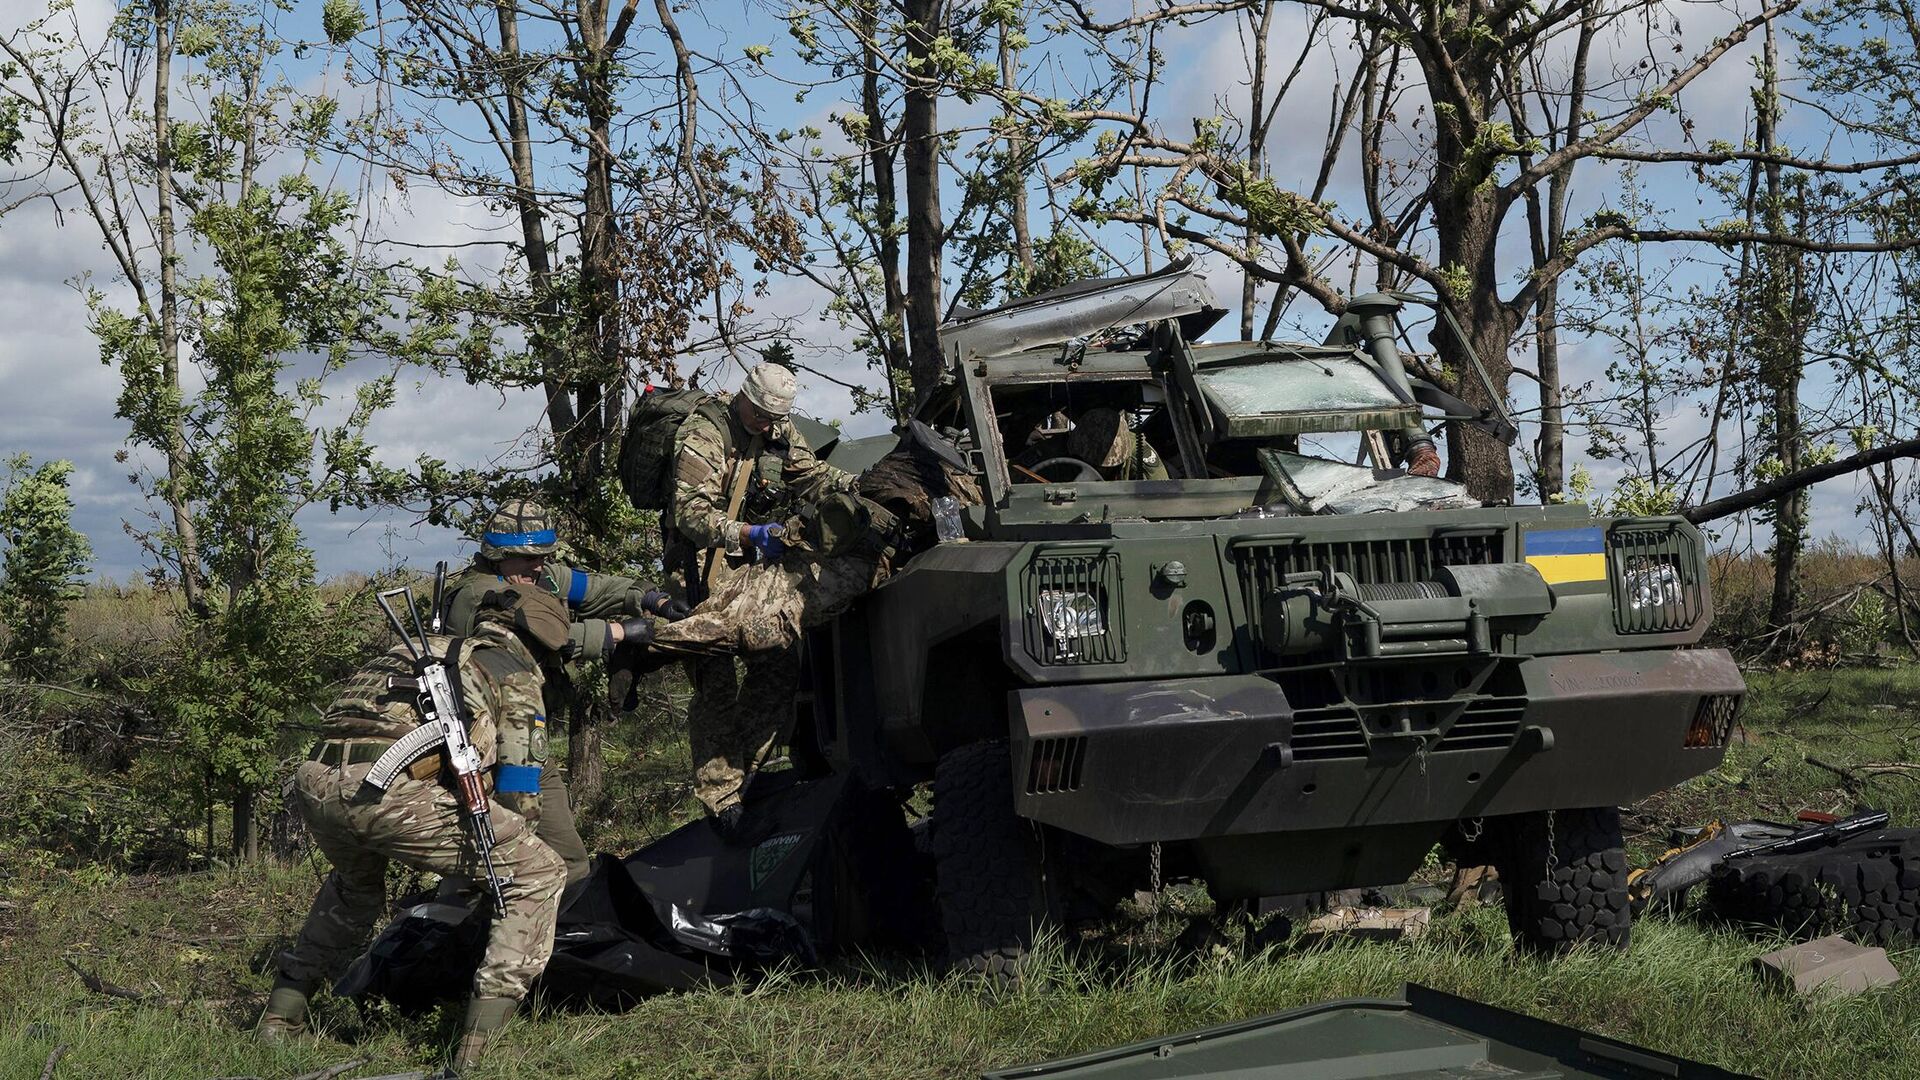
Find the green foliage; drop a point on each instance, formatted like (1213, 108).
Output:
(40, 572)
(1060, 259)
(342, 20)
(283, 286)
(1637, 496)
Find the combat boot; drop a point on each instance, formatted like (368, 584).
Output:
(485, 1017)
(286, 1012)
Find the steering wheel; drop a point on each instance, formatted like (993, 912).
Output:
(1082, 470)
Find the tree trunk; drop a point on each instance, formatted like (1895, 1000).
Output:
(1781, 359)
(1551, 474)
(585, 453)
(882, 154)
(186, 537)
(533, 227)
(920, 142)
(1016, 163)
(586, 768)
(1466, 225)
(245, 845)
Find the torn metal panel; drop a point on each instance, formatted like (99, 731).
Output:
(1080, 311)
(1324, 486)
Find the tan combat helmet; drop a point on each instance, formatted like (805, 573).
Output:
(1100, 436)
(519, 527)
(771, 389)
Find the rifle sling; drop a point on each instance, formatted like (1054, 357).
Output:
(736, 495)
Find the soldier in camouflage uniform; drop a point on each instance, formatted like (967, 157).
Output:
(606, 611)
(735, 476)
(1102, 438)
(417, 821)
(842, 548)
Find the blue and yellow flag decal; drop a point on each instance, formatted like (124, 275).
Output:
(1564, 555)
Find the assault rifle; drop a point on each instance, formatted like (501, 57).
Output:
(1694, 861)
(444, 727)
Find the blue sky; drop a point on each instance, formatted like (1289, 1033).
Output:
(59, 399)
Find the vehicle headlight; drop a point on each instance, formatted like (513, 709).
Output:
(1653, 585)
(1072, 609)
(1069, 616)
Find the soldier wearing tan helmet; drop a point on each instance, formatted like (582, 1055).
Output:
(738, 475)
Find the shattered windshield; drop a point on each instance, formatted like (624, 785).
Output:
(1281, 424)
(1282, 395)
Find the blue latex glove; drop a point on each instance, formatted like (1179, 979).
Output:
(766, 543)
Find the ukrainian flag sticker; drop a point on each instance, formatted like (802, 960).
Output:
(1567, 555)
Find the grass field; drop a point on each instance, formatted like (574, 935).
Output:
(193, 947)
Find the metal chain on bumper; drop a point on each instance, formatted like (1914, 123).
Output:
(1153, 880)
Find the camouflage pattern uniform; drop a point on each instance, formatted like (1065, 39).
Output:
(592, 600)
(732, 721)
(522, 527)
(1101, 438)
(418, 822)
(842, 549)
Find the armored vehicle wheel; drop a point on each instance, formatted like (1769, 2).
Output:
(1871, 892)
(986, 868)
(1563, 875)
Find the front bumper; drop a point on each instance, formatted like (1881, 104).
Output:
(1185, 759)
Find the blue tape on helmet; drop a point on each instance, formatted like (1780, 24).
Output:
(525, 539)
(577, 588)
(519, 779)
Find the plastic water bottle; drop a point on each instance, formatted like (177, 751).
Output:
(946, 520)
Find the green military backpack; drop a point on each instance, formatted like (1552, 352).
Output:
(652, 444)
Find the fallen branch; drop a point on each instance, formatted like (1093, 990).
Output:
(53, 1059)
(1858, 774)
(1846, 775)
(1799, 478)
(101, 986)
(332, 1071)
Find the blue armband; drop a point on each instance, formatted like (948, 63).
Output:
(516, 779)
(577, 588)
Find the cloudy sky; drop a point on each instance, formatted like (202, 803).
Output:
(59, 399)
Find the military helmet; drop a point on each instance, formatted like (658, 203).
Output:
(1100, 436)
(519, 527)
(771, 389)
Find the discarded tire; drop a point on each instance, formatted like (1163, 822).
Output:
(1563, 876)
(986, 869)
(1867, 888)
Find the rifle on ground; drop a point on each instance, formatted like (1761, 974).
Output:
(444, 727)
(1693, 862)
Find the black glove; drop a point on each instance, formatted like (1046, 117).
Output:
(657, 602)
(638, 631)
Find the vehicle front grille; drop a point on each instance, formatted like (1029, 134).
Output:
(1655, 569)
(1056, 634)
(1334, 710)
(1263, 564)
(1054, 764)
(1713, 722)
(1335, 734)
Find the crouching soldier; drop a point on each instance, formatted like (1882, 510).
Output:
(608, 616)
(417, 819)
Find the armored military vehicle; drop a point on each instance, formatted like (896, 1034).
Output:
(1287, 666)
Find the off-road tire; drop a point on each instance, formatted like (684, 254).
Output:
(986, 866)
(1870, 892)
(1563, 877)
